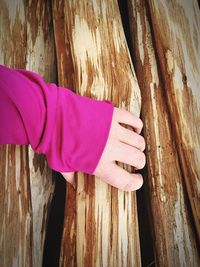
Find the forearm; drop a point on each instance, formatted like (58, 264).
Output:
(70, 130)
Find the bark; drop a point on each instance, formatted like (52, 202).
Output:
(26, 41)
(100, 227)
(175, 243)
(178, 53)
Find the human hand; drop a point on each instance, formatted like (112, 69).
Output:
(123, 145)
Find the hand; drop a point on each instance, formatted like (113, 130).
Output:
(122, 145)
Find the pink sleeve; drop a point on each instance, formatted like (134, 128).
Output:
(71, 130)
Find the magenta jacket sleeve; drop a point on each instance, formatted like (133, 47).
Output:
(71, 130)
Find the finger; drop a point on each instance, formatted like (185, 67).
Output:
(129, 118)
(131, 138)
(130, 155)
(122, 179)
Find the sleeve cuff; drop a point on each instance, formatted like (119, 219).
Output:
(79, 132)
(71, 130)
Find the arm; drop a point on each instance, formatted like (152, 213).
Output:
(71, 130)
(75, 133)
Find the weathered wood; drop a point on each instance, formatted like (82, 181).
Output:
(15, 201)
(41, 59)
(176, 27)
(26, 41)
(100, 227)
(175, 243)
(15, 207)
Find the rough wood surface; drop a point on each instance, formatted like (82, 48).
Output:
(100, 227)
(15, 201)
(26, 41)
(176, 27)
(15, 208)
(175, 243)
(41, 59)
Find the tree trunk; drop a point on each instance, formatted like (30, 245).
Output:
(100, 227)
(175, 243)
(26, 41)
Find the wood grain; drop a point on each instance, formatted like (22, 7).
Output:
(15, 207)
(100, 227)
(26, 41)
(15, 196)
(40, 59)
(175, 242)
(178, 52)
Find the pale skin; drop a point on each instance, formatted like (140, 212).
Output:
(123, 145)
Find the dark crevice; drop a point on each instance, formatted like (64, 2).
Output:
(145, 224)
(54, 230)
(55, 220)
(143, 208)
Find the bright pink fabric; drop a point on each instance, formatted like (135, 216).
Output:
(71, 130)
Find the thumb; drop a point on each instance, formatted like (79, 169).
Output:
(70, 177)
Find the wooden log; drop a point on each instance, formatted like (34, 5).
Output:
(26, 41)
(176, 28)
(100, 227)
(15, 207)
(40, 57)
(175, 243)
(15, 201)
